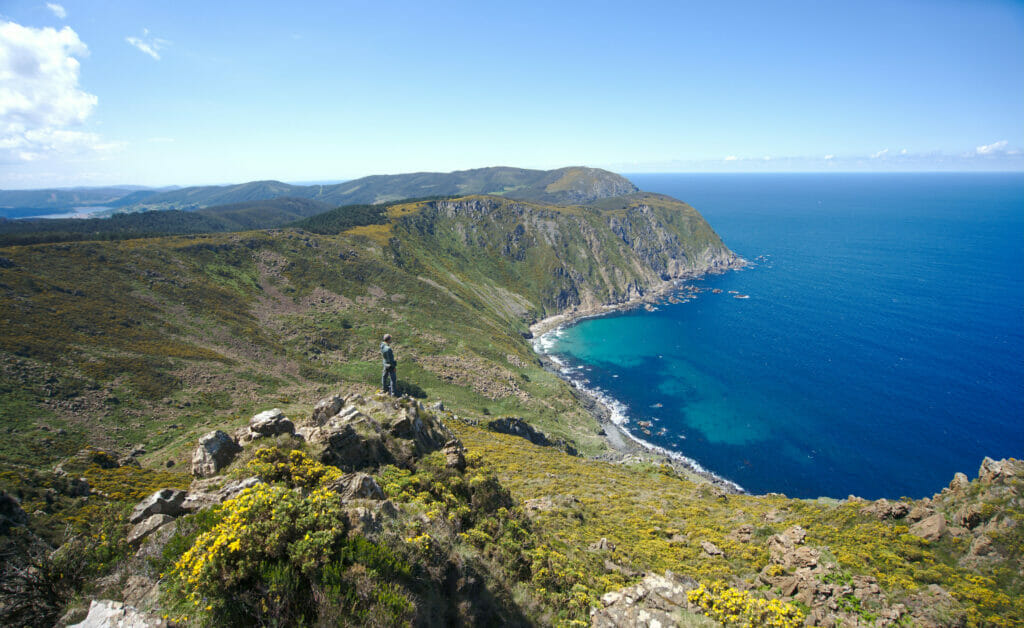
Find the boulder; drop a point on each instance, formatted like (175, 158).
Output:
(11, 513)
(743, 533)
(326, 408)
(368, 521)
(147, 526)
(271, 423)
(602, 545)
(959, 483)
(520, 428)
(711, 549)
(357, 486)
(454, 455)
(166, 501)
(969, 516)
(654, 601)
(884, 509)
(216, 450)
(111, 614)
(398, 432)
(931, 528)
(202, 493)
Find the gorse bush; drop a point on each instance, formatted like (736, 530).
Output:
(738, 608)
(293, 468)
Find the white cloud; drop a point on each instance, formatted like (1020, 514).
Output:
(40, 99)
(161, 140)
(767, 158)
(903, 152)
(57, 9)
(147, 44)
(731, 158)
(829, 157)
(880, 154)
(991, 149)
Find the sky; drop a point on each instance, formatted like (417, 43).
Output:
(161, 93)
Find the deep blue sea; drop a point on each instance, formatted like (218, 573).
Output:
(881, 349)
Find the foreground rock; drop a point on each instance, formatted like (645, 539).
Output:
(353, 440)
(166, 501)
(111, 614)
(654, 601)
(518, 427)
(216, 450)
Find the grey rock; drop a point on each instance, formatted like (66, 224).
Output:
(271, 423)
(111, 614)
(357, 486)
(518, 427)
(147, 526)
(326, 408)
(166, 501)
(601, 545)
(654, 601)
(202, 495)
(216, 450)
(454, 455)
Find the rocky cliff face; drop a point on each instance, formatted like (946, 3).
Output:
(563, 258)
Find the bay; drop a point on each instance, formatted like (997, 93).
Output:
(880, 351)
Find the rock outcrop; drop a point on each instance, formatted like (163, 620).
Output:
(166, 501)
(216, 450)
(654, 601)
(111, 614)
(354, 440)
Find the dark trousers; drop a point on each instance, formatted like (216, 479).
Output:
(388, 381)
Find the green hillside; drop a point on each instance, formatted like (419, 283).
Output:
(117, 356)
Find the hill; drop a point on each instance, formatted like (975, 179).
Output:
(565, 185)
(119, 356)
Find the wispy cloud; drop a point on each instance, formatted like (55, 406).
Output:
(57, 9)
(161, 140)
(992, 149)
(148, 44)
(731, 158)
(829, 157)
(880, 154)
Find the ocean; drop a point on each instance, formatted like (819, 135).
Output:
(880, 351)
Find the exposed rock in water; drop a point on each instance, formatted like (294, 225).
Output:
(216, 450)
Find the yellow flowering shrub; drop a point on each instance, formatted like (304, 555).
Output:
(738, 608)
(294, 468)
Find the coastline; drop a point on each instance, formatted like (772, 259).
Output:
(624, 446)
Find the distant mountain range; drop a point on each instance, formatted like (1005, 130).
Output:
(565, 185)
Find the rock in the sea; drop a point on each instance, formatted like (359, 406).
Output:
(166, 501)
(216, 450)
(111, 614)
(357, 486)
(148, 526)
(931, 528)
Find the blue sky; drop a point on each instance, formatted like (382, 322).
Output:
(161, 93)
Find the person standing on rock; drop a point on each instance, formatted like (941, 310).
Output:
(388, 379)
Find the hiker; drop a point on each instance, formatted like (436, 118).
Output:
(388, 381)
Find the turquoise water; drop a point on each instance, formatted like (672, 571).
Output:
(881, 349)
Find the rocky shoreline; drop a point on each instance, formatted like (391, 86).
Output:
(625, 448)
